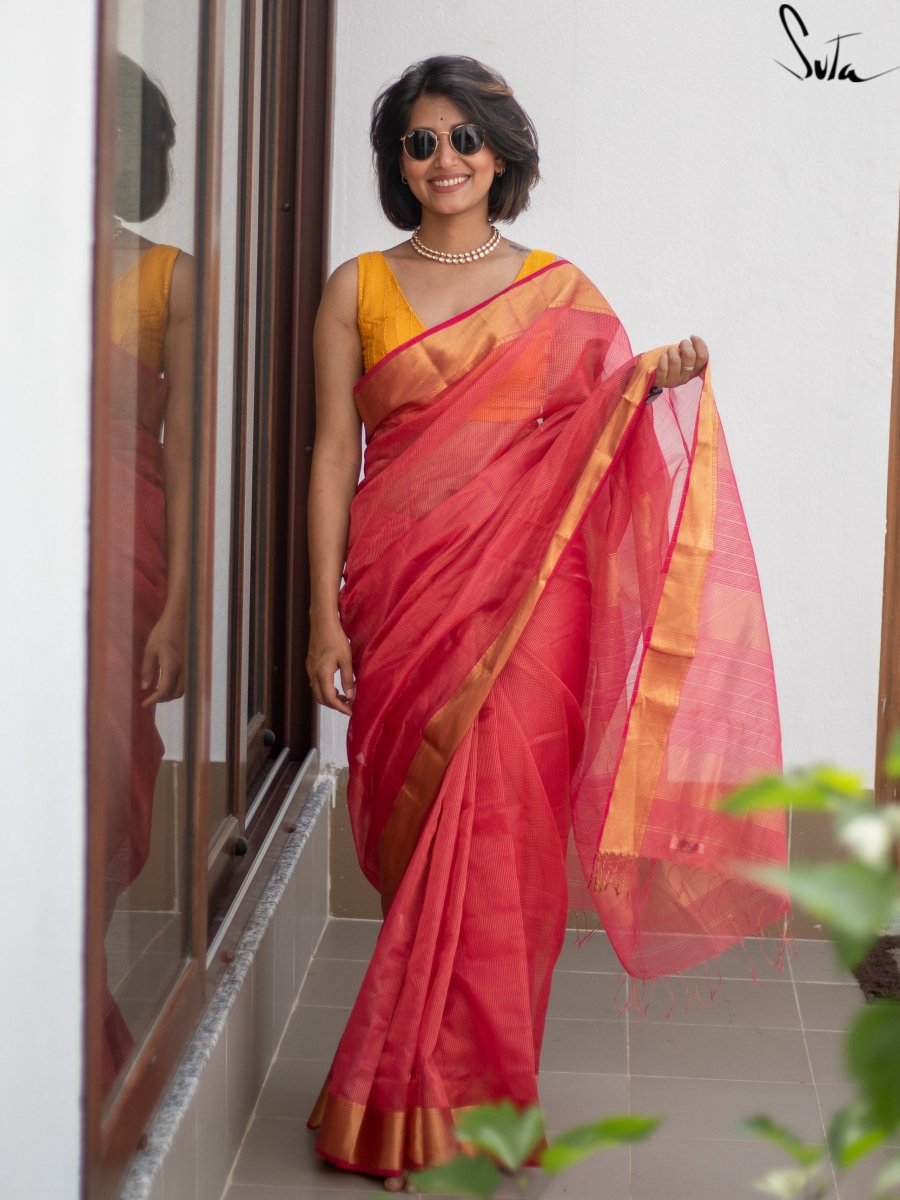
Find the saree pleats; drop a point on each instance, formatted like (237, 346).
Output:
(451, 1012)
(561, 658)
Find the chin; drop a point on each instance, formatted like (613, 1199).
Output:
(447, 206)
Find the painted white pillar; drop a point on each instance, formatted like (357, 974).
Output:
(47, 89)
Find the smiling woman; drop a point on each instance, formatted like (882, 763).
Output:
(550, 630)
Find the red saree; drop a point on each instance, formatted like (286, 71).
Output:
(136, 588)
(556, 627)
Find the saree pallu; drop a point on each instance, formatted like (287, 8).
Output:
(562, 664)
(136, 587)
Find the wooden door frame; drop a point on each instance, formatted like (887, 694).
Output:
(888, 790)
(293, 225)
(311, 227)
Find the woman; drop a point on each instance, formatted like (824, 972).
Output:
(149, 481)
(550, 620)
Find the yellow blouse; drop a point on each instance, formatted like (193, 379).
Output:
(140, 309)
(383, 314)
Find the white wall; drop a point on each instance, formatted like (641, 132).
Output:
(47, 75)
(162, 38)
(705, 190)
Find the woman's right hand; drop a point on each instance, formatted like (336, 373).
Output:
(329, 653)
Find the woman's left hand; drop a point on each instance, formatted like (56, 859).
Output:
(163, 665)
(681, 363)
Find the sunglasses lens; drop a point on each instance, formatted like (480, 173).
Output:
(420, 144)
(466, 139)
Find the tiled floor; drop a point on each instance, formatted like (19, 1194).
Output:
(771, 1046)
(143, 956)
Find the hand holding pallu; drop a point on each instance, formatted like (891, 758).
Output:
(682, 363)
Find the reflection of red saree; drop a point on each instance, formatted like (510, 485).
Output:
(556, 620)
(136, 586)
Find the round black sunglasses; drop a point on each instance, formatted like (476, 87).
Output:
(421, 144)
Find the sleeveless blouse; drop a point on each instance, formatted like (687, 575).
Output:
(140, 308)
(384, 316)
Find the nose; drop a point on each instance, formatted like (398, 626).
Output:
(445, 155)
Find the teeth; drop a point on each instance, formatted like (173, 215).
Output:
(449, 182)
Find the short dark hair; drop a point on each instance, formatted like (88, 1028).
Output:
(487, 100)
(143, 114)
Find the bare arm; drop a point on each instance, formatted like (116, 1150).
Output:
(163, 665)
(333, 480)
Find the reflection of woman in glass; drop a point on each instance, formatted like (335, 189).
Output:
(149, 400)
(551, 622)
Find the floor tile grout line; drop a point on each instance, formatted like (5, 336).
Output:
(229, 1177)
(717, 980)
(812, 1076)
(617, 1019)
(712, 1079)
(839, 983)
(669, 1023)
(792, 1083)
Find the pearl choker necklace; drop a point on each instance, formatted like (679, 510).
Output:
(443, 256)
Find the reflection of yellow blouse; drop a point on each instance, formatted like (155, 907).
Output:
(383, 313)
(140, 308)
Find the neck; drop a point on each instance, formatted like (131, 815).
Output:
(454, 234)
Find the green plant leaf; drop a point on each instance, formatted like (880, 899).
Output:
(506, 1132)
(462, 1176)
(853, 899)
(823, 788)
(777, 791)
(846, 785)
(872, 1049)
(888, 1177)
(792, 1183)
(580, 1143)
(892, 762)
(764, 1127)
(853, 1134)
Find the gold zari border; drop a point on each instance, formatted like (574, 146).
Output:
(673, 642)
(413, 374)
(354, 1135)
(358, 1137)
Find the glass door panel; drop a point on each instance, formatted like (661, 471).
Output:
(142, 523)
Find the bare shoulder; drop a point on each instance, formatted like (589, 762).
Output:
(182, 294)
(343, 279)
(336, 337)
(401, 251)
(539, 251)
(339, 297)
